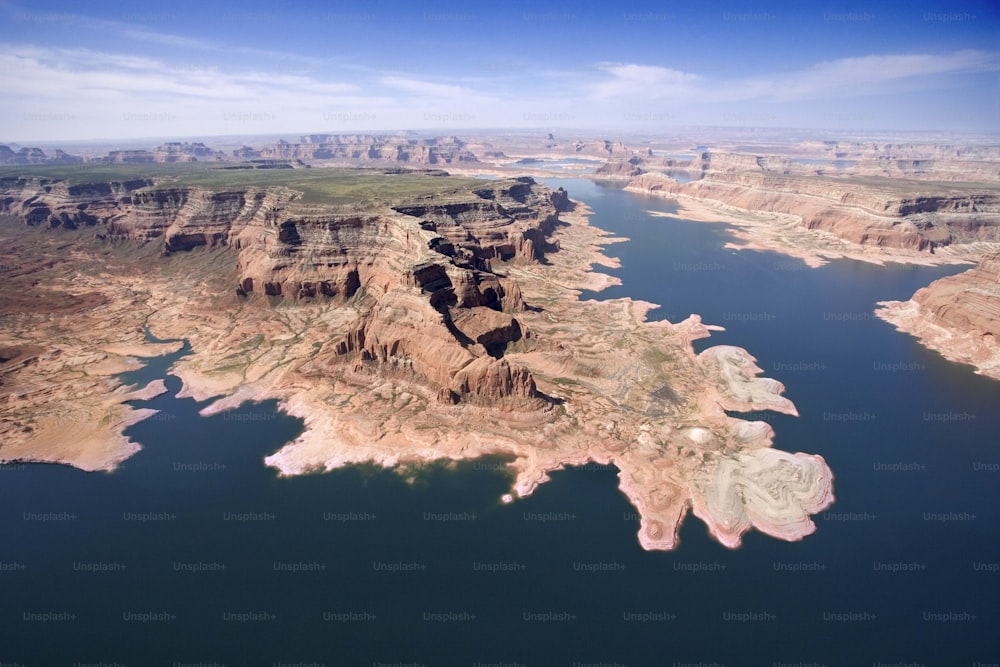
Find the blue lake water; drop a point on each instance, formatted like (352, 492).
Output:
(195, 552)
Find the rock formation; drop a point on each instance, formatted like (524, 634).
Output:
(606, 148)
(422, 267)
(875, 150)
(402, 331)
(620, 168)
(9, 156)
(172, 151)
(959, 316)
(372, 148)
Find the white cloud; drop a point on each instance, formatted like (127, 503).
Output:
(429, 89)
(44, 85)
(646, 81)
(45, 88)
(174, 41)
(138, 32)
(846, 77)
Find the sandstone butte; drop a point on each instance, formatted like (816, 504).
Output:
(444, 326)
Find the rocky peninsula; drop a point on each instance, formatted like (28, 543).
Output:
(959, 316)
(428, 318)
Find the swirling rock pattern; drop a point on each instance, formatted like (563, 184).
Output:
(770, 490)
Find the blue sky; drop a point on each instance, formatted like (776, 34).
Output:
(118, 70)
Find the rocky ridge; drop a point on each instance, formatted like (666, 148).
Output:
(25, 155)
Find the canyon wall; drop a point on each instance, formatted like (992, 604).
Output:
(430, 306)
(959, 316)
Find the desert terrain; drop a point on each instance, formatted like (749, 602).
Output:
(387, 288)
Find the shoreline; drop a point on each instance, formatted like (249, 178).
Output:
(650, 454)
(778, 232)
(758, 232)
(91, 445)
(966, 348)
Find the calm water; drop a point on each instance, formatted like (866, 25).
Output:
(194, 552)
(579, 165)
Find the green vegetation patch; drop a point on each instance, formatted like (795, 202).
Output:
(318, 185)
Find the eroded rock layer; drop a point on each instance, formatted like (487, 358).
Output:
(869, 214)
(959, 316)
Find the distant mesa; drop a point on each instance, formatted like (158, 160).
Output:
(353, 149)
(166, 153)
(25, 156)
(373, 148)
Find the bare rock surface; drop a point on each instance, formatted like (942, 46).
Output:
(959, 316)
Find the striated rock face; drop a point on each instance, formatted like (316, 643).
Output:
(924, 162)
(891, 151)
(43, 202)
(937, 170)
(879, 214)
(397, 330)
(176, 151)
(430, 308)
(605, 148)
(959, 316)
(503, 223)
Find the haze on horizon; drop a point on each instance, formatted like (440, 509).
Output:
(124, 71)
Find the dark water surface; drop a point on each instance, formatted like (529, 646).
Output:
(194, 552)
